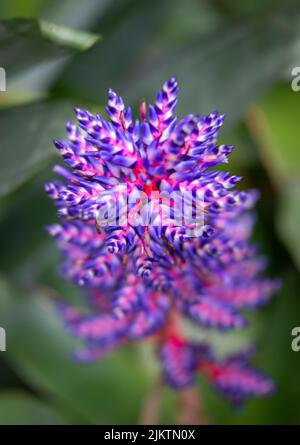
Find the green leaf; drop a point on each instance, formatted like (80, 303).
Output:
(274, 124)
(27, 132)
(255, 7)
(288, 219)
(72, 38)
(209, 74)
(19, 8)
(216, 71)
(18, 408)
(25, 42)
(71, 13)
(20, 242)
(40, 351)
(114, 62)
(6, 293)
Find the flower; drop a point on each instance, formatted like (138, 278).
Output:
(230, 376)
(145, 268)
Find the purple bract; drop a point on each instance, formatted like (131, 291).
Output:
(144, 280)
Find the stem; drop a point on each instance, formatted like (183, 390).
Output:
(151, 406)
(190, 411)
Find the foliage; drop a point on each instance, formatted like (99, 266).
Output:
(227, 56)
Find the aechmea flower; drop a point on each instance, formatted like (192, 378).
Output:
(144, 265)
(181, 361)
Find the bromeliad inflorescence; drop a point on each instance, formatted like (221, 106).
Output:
(144, 276)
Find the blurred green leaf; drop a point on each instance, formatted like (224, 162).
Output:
(220, 71)
(30, 251)
(288, 221)
(19, 8)
(128, 28)
(186, 21)
(71, 13)
(25, 42)
(236, 8)
(39, 349)
(18, 408)
(225, 70)
(6, 293)
(274, 124)
(27, 132)
(72, 38)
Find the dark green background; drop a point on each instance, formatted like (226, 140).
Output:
(232, 55)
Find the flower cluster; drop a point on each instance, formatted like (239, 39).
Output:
(142, 279)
